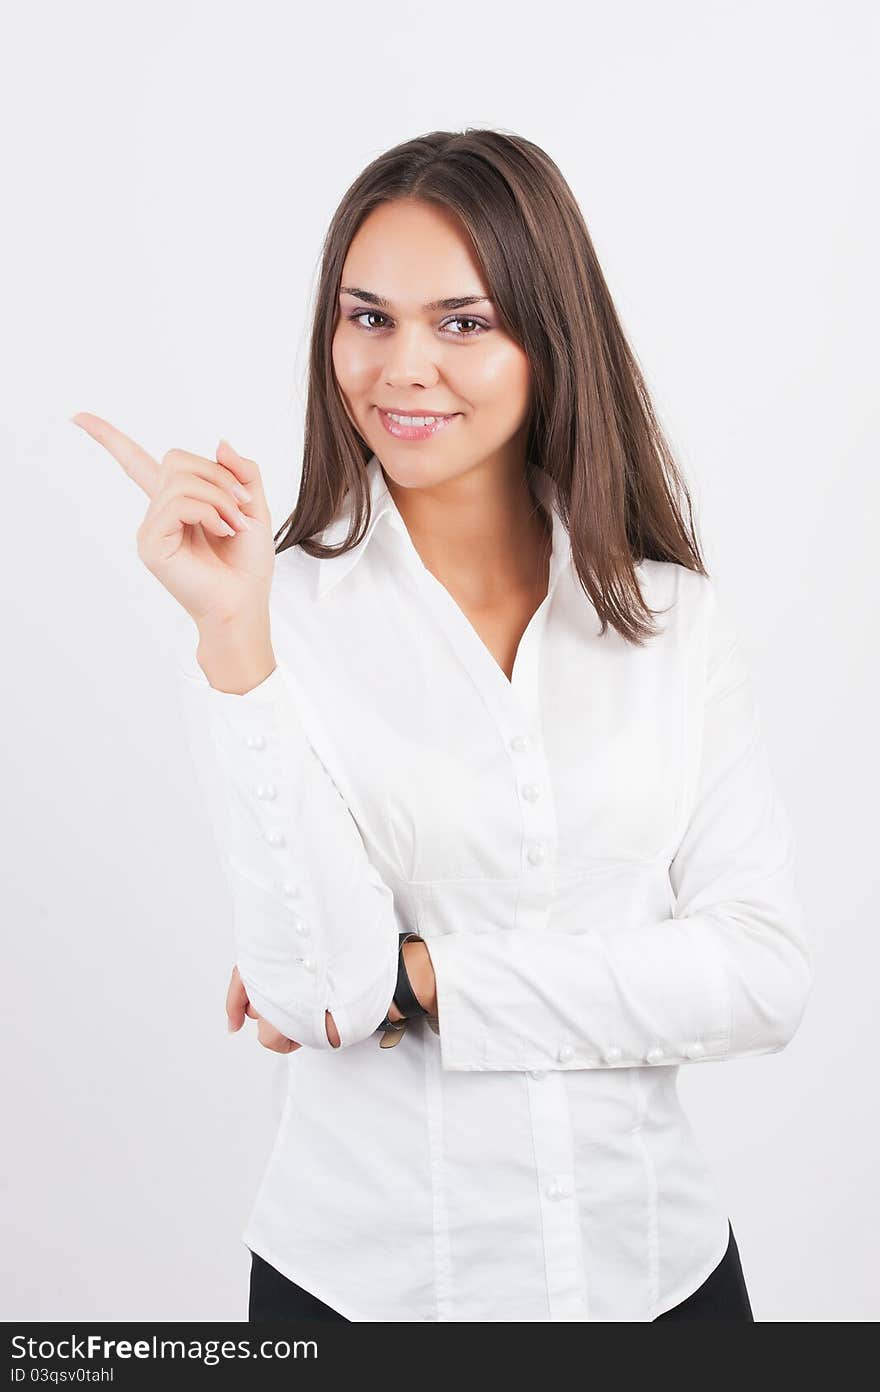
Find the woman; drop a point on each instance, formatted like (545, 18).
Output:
(441, 706)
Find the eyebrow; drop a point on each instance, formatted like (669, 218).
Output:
(453, 302)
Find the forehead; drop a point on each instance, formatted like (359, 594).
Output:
(411, 252)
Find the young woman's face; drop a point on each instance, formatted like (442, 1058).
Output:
(404, 356)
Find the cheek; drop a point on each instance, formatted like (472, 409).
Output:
(351, 363)
(500, 378)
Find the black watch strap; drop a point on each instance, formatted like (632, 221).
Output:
(405, 998)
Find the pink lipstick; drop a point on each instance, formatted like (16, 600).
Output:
(405, 430)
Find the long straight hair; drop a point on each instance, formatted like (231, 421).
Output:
(591, 423)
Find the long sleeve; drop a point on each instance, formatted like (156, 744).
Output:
(727, 976)
(315, 926)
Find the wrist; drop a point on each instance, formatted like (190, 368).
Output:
(236, 655)
(420, 971)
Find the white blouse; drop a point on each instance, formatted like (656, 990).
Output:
(597, 856)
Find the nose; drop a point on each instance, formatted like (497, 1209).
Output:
(410, 357)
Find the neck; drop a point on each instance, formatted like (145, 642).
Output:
(482, 534)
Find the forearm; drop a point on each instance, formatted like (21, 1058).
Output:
(236, 656)
(315, 926)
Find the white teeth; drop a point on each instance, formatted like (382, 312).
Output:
(414, 420)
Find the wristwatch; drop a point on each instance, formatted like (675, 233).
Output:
(404, 998)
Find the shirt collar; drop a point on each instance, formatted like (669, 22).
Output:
(332, 569)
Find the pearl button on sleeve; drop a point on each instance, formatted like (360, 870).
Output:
(314, 924)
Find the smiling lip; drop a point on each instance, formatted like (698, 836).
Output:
(415, 432)
(399, 411)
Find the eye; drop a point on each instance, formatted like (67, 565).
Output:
(365, 314)
(481, 327)
(467, 319)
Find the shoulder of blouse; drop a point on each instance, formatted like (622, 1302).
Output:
(684, 595)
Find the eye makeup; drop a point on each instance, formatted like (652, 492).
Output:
(482, 326)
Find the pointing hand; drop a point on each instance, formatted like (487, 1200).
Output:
(208, 544)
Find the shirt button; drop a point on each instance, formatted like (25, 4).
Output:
(537, 853)
(267, 791)
(309, 964)
(654, 1055)
(566, 1052)
(558, 1189)
(300, 927)
(611, 1054)
(256, 741)
(537, 1073)
(695, 1049)
(531, 791)
(519, 743)
(289, 890)
(274, 837)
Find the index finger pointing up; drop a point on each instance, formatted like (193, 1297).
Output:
(134, 459)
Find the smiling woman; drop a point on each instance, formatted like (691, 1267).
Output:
(458, 775)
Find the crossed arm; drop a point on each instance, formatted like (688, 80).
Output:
(726, 975)
(418, 968)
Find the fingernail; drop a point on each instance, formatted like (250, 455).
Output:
(228, 446)
(241, 493)
(229, 1024)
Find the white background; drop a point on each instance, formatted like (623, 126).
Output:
(169, 173)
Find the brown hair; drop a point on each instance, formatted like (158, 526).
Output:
(592, 426)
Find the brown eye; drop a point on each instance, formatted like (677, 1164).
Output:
(365, 313)
(466, 319)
